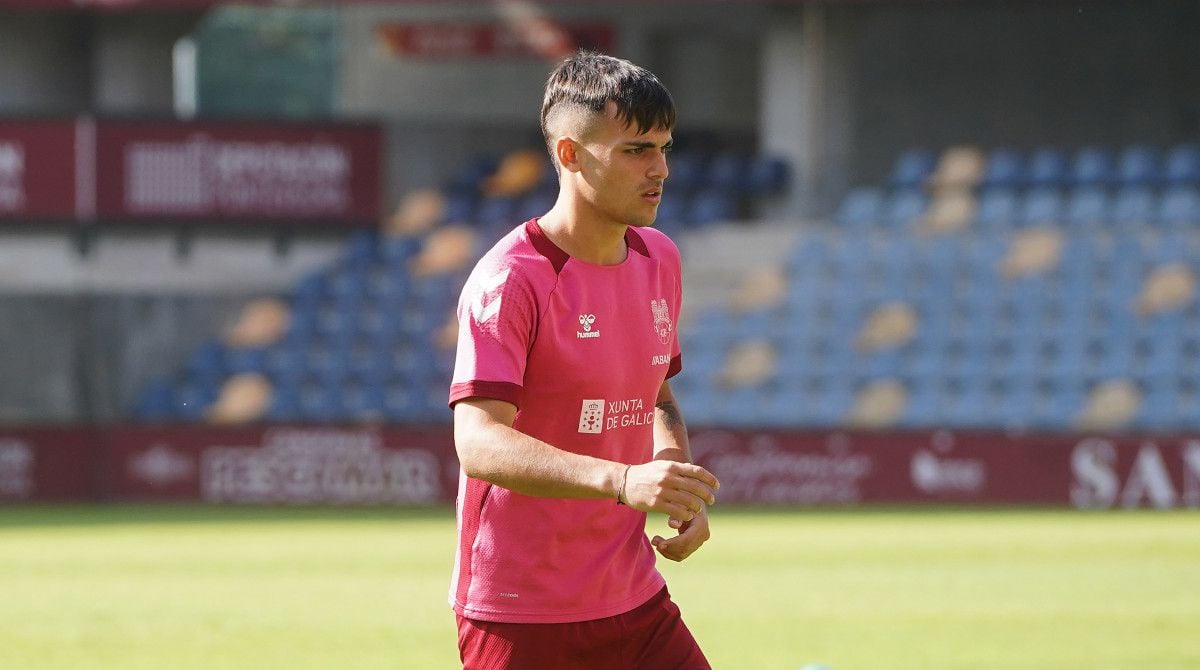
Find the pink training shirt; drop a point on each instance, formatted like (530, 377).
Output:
(581, 350)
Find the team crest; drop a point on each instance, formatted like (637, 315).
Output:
(662, 319)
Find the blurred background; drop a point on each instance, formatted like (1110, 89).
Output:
(945, 222)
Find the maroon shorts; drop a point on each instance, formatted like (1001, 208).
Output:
(651, 636)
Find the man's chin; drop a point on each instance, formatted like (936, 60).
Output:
(643, 221)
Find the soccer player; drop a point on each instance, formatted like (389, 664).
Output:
(564, 420)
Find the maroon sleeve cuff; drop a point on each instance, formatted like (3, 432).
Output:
(506, 391)
(675, 367)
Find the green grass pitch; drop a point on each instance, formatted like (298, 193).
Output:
(228, 587)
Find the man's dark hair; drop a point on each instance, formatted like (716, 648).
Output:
(589, 80)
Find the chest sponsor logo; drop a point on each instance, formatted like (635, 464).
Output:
(662, 319)
(598, 416)
(484, 308)
(586, 321)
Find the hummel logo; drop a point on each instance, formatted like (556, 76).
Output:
(586, 320)
(483, 310)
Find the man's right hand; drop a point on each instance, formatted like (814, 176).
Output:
(679, 490)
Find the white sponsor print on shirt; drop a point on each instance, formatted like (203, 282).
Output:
(598, 416)
(483, 309)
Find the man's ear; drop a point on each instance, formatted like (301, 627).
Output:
(566, 152)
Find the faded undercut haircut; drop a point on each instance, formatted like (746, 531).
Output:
(586, 81)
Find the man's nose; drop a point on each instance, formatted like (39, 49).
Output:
(658, 171)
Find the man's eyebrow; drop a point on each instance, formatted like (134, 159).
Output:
(647, 145)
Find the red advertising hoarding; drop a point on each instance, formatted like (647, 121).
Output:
(402, 466)
(283, 465)
(167, 170)
(50, 464)
(238, 171)
(529, 38)
(37, 169)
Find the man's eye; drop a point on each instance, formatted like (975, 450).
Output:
(636, 150)
(668, 149)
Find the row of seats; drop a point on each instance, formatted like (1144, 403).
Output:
(701, 188)
(1135, 165)
(1022, 329)
(1000, 207)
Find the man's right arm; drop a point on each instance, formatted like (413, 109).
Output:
(490, 449)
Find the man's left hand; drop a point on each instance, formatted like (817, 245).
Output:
(691, 535)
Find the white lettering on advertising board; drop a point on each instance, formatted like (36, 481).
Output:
(202, 175)
(1097, 483)
(765, 473)
(16, 469)
(330, 466)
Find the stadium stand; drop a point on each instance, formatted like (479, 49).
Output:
(370, 337)
(1045, 291)
(1067, 300)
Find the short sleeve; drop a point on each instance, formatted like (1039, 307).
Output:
(497, 315)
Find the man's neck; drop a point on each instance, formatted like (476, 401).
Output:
(584, 236)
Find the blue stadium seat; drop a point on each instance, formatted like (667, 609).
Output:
(998, 209)
(1182, 165)
(1087, 206)
(672, 209)
(911, 168)
(207, 364)
(1160, 409)
(903, 207)
(286, 363)
(389, 284)
(320, 402)
(1047, 167)
(246, 360)
(1180, 207)
(347, 286)
(686, 170)
(710, 207)
(460, 207)
(309, 292)
(359, 250)
(768, 176)
(396, 250)
(496, 211)
(1004, 170)
(534, 205)
(328, 364)
(192, 399)
(1093, 166)
(285, 404)
(1039, 207)
(1138, 166)
(1134, 205)
(727, 172)
(156, 402)
(363, 401)
(860, 208)
(470, 178)
(923, 404)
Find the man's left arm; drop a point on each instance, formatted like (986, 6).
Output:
(671, 444)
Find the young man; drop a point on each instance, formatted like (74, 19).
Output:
(564, 421)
